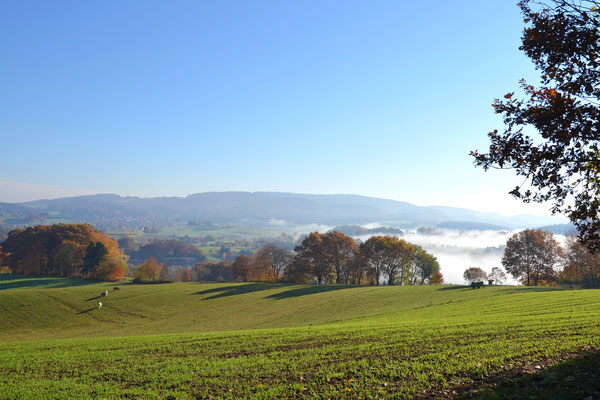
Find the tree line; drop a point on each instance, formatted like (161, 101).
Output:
(330, 257)
(74, 250)
(534, 258)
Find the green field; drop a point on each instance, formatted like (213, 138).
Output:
(257, 340)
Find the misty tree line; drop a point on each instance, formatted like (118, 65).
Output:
(78, 250)
(535, 258)
(330, 257)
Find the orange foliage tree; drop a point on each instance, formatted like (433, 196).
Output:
(184, 275)
(56, 250)
(148, 271)
(436, 278)
(311, 260)
(111, 269)
(340, 251)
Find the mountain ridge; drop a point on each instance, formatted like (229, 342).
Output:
(258, 208)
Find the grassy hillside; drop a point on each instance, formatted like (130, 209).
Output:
(274, 341)
(51, 308)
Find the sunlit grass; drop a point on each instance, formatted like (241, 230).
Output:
(319, 340)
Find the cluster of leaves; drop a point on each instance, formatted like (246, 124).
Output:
(562, 165)
(64, 250)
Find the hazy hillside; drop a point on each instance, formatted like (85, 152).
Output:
(250, 207)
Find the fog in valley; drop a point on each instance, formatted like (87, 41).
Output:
(459, 250)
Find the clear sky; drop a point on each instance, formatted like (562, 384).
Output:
(168, 98)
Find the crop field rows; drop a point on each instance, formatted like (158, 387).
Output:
(455, 337)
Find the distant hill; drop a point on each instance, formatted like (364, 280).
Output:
(471, 226)
(559, 229)
(109, 211)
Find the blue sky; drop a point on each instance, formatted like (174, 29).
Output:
(160, 98)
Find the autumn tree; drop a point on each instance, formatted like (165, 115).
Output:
(424, 265)
(271, 260)
(474, 274)
(67, 257)
(436, 278)
(184, 275)
(299, 270)
(60, 250)
(560, 160)
(358, 269)
(398, 260)
(148, 271)
(311, 258)
(111, 269)
(389, 256)
(532, 255)
(339, 251)
(580, 265)
(375, 252)
(241, 267)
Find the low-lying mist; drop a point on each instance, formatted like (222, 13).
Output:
(459, 250)
(456, 250)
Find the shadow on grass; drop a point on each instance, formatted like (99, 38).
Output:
(87, 311)
(575, 378)
(510, 288)
(304, 291)
(456, 287)
(225, 291)
(12, 281)
(293, 290)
